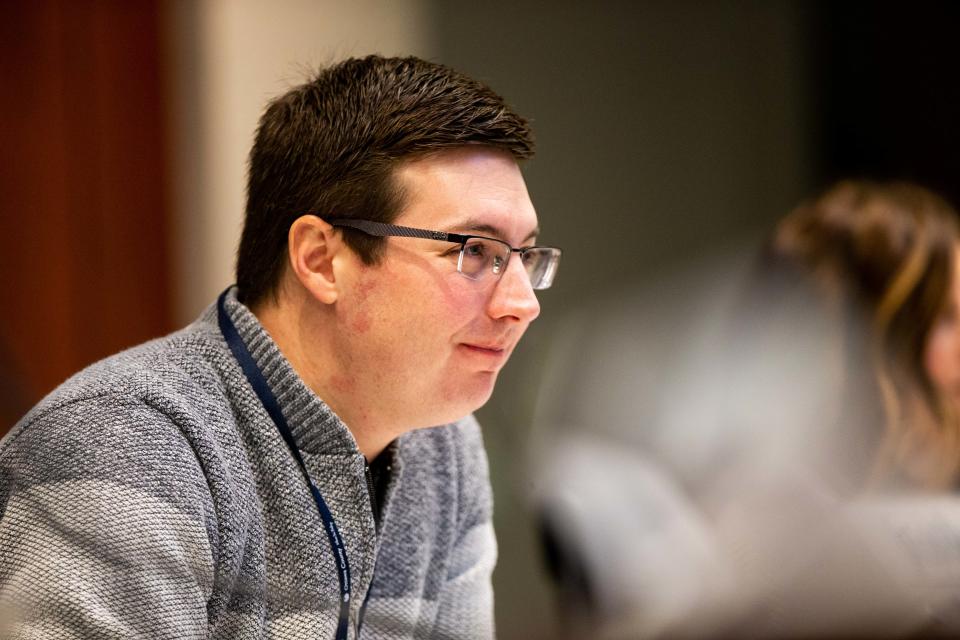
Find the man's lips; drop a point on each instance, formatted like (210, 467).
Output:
(484, 348)
(492, 351)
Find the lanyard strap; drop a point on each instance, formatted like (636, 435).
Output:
(269, 401)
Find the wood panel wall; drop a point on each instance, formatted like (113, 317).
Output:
(83, 189)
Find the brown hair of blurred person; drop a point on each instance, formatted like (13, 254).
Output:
(887, 251)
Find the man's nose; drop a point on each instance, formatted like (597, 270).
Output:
(513, 295)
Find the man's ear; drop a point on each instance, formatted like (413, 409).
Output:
(312, 244)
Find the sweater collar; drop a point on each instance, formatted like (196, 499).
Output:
(314, 425)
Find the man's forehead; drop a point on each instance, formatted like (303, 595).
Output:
(480, 227)
(474, 190)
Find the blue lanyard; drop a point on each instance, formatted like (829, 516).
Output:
(269, 401)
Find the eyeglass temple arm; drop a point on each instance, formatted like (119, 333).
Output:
(381, 229)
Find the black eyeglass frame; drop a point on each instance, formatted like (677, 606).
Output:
(385, 230)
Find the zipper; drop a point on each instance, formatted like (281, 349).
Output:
(373, 498)
(376, 527)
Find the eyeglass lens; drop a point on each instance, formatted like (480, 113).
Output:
(480, 256)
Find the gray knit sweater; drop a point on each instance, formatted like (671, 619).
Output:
(152, 496)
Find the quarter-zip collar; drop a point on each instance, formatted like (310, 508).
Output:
(316, 428)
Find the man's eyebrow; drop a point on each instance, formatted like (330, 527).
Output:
(473, 226)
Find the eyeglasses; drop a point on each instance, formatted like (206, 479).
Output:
(479, 256)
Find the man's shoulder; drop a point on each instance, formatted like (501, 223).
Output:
(156, 375)
(139, 418)
(146, 396)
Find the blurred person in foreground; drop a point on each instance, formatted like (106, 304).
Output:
(879, 263)
(269, 471)
(768, 448)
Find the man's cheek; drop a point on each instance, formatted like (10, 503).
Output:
(360, 323)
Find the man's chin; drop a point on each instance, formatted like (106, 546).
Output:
(468, 396)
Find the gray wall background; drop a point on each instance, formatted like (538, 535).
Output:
(666, 130)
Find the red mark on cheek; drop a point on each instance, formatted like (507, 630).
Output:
(342, 384)
(360, 323)
(364, 288)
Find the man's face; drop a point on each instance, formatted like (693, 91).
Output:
(426, 340)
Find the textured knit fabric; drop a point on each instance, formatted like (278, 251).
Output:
(152, 496)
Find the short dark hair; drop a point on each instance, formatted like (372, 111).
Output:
(330, 146)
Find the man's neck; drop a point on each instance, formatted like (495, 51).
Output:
(311, 356)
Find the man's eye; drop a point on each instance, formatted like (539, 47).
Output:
(475, 251)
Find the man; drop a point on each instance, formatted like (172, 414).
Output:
(269, 470)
